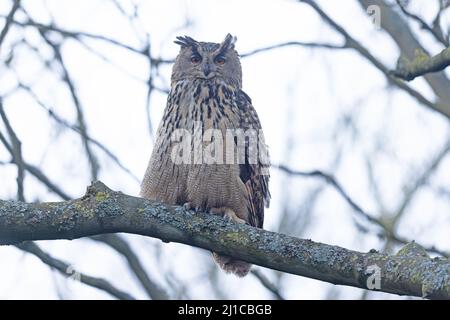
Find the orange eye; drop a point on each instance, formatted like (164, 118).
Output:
(220, 60)
(195, 59)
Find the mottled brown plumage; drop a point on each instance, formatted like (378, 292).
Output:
(206, 94)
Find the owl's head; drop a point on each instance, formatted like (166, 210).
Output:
(208, 60)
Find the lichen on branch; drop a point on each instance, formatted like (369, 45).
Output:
(101, 210)
(421, 64)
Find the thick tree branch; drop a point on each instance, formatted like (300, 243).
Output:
(422, 64)
(101, 210)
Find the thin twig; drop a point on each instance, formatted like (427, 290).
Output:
(294, 43)
(267, 284)
(386, 231)
(76, 129)
(9, 20)
(15, 149)
(423, 24)
(333, 182)
(93, 161)
(65, 270)
(154, 290)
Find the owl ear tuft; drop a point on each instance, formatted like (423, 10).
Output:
(186, 41)
(228, 42)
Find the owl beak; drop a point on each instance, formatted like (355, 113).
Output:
(206, 69)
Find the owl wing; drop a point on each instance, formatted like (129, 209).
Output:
(254, 174)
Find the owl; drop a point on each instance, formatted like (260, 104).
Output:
(209, 154)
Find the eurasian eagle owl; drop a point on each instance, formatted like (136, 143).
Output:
(209, 153)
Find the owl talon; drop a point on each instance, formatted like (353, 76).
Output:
(231, 216)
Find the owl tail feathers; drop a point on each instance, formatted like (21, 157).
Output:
(231, 265)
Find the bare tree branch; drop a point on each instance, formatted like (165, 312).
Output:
(399, 31)
(64, 269)
(74, 35)
(93, 161)
(116, 243)
(391, 222)
(387, 229)
(294, 43)
(267, 284)
(101, 210)
(438, 35)
(153, 290)
(76, 129)
(422, 64)
(443, 107)
(9, 20)
(334, 183)
(15, 148)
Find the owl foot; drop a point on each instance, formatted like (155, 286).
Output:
(228, 214)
